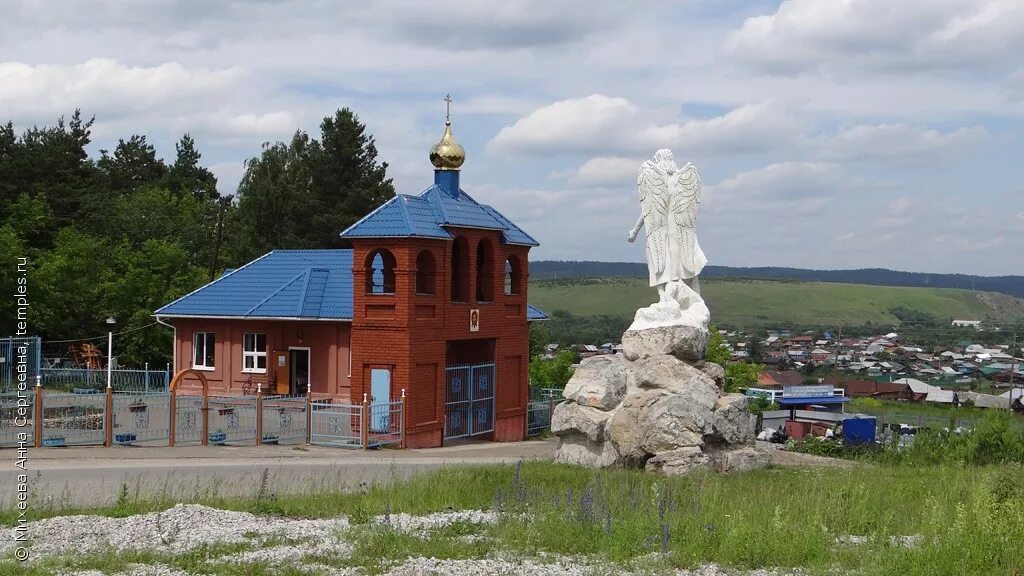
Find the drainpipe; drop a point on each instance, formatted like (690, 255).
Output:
(174, 349)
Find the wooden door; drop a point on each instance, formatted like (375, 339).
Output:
(282, 372)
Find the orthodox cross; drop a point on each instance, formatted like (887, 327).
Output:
(448, 107)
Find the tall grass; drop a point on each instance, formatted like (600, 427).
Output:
(964, 520)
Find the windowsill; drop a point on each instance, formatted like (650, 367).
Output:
(254, 370)
(380, 293)
(204, 368)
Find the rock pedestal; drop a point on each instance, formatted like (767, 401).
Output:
(658, 405)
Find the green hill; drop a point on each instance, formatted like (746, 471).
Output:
(752, 303)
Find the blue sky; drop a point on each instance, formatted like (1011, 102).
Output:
(862, 133)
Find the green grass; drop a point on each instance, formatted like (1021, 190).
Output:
(970, 519)
(738, 302)
(877, 407)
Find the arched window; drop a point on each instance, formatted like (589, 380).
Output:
(484, 271)
(460, 270)
(380, 272)
(513, 276)
(426, 271)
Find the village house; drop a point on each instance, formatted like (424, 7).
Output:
(430, 300)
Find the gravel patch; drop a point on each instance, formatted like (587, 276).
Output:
(176, 530)
(136, 570)
(291, 553)
(423, 524)
(560, 566)
(910, 541)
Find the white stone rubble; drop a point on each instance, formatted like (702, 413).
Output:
(179, 529)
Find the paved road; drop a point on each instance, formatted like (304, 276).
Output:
(93, 475)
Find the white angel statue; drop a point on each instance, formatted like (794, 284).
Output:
(669, 197)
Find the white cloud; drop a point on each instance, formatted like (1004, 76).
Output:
(278, 124)
(107, 87)
(605, 124)
(803, 187)
(749, 128)
(459, 25)
(577, 125)
(897, 142)
(604, 171)
(815, 36)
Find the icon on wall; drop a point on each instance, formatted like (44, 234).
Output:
(474, 320)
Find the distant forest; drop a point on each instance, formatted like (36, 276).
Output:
(1011, 285)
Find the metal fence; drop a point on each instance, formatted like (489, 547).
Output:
(71, 379)
(74, 419)
(232, 420)
(538, 416)
(188, 420)
(17, 417)
(546, 393)
(336, 424)
(13, 351)
(141, 418)
(386, 424)
(147, 419)
(284, 420)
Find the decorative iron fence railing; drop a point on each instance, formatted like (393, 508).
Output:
(232, 419)
(284, 420)
(72, 379)
(17, 419)
(386, 422)
(74, 419)
(88, 417)
(338, 425)
(141, 417)
(187, 420)
(538, 416)
(19, 355)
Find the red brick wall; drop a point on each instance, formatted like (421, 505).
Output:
(328, 355)
(408, 332)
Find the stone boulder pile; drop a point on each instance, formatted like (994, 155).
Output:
(658, 405)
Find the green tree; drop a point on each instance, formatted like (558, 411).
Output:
(187, 176)
(49, 165)
(11, 249)
(539, 339)
(274, 199)
(133, 164)
(70, 280)
(305, 193)
(144, 278)
(717, 351)
(348, 181)
(554, 373)
(741, 375)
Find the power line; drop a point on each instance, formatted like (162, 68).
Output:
(100, 337)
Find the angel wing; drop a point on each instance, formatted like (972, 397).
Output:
(686, 196)
(654, 203)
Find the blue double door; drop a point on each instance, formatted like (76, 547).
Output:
(469, 400)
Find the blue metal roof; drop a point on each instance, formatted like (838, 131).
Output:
(426, 215)
(534, 313)
(314, 284)
(308, 284)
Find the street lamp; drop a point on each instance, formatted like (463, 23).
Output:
(110, 347)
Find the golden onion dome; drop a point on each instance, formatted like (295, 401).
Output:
(447, 154)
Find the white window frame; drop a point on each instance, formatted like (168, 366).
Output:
(255, 354)
(196, 337)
